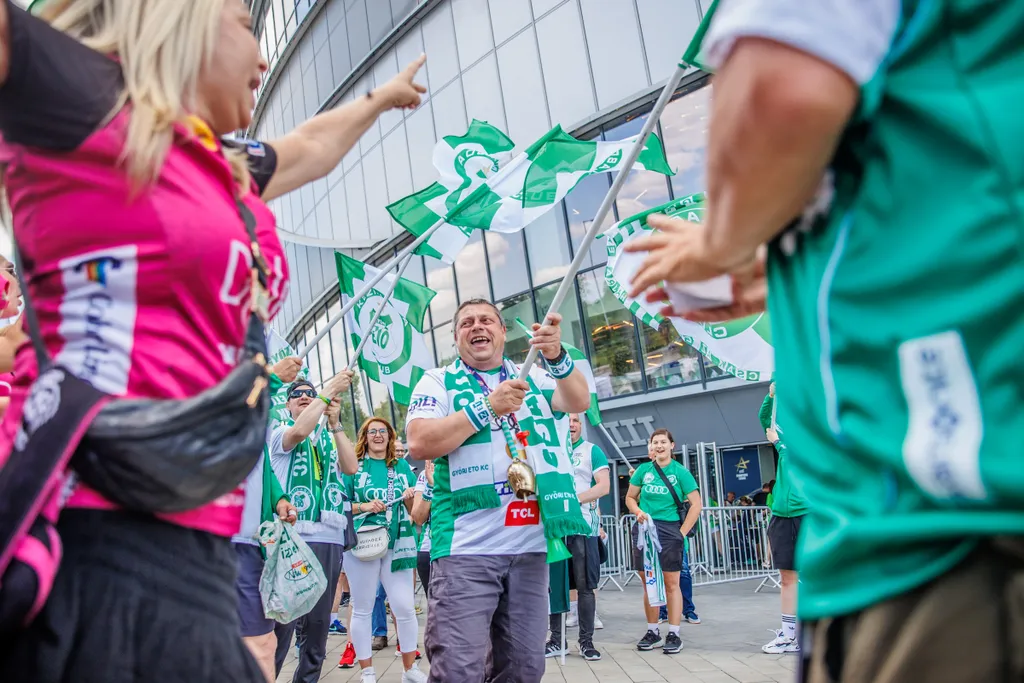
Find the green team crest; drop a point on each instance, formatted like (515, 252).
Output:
(390, 345)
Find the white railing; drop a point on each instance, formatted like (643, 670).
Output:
(730, 544)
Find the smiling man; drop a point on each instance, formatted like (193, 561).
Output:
(489, 577)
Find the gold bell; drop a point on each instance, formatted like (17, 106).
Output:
(522, 479)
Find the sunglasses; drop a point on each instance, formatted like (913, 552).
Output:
(375, 432)
(301, 392)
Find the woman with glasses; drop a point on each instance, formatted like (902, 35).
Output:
(382, 493)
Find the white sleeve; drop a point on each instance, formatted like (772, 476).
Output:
(429, 398)
(280, 459)
(852, 35)
(421, 483)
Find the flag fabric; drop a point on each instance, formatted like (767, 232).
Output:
(582, 363)
(279, 349)
(695, 55)
(534, 182)
(463, 162)
(742, 347)
(654, 580)
(395, 354)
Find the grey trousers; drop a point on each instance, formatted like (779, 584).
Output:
(314, 625)
(487, 618)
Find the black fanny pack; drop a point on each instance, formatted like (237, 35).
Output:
(173, 455)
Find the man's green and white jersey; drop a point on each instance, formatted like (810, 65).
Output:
(421, 487)
(587, 460)
(896, 300)
(514, 528)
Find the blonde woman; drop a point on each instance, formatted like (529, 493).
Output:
(382, 495)
(133, 219)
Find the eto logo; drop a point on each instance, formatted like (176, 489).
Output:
(522, 513)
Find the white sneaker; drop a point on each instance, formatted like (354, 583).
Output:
(368, 677)
(597, 622)
(414, 675)
(781, 645)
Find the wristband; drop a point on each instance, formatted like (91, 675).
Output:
(561, 367)
(478, 414)
(490, 409)
(336, 430)
(324, 399)
(428, 492)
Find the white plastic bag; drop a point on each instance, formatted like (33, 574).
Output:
(292, 580)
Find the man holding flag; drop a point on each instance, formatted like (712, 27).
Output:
(877, 148)
(489, 579)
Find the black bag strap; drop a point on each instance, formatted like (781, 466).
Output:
(31, 319)
(671, 489)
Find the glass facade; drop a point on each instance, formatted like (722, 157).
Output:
(521, 272)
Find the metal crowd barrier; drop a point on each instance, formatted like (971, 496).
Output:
(730, 544)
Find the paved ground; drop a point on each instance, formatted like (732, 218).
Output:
(726, 648)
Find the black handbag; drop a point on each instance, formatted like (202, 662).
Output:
(173, 455)
(682, 507)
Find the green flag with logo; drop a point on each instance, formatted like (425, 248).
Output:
(463, 162)
(395, 354)
(534, 182)
(742, 347)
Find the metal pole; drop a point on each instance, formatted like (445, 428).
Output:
(376, 316)
(331, 322)
(608, 437)
(606, 205)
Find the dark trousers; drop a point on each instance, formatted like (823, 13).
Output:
(314, 625)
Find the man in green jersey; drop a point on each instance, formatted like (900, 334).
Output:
(877, 148)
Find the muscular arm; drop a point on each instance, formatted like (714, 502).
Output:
(599, 489)
(420, 509)
(431, 438)
(572, 395)
(777, 117)
(304, 425)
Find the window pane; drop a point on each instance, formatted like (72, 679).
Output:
(669, 360)
(313, 362)
(712, 371)
(610, 326)
(572, 327)
(516, 344)
(471, 270)
(685, 126)
(415, 271)
(381, 400)
(446, 351)
(580, 206)
(549, 250)
(508, 263)
(323, 350)
(441, 280)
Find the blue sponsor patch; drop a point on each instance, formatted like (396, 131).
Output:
(422, 402)
(255, 148)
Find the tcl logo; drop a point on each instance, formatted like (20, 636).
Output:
(522, 513)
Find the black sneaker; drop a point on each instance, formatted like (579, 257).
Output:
(673, 644)
(346, 598)
(552, 649)
(649, 641)
(589, 652)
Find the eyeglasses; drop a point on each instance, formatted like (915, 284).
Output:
(296, 393)
(375, 432)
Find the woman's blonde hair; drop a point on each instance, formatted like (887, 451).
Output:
(362, 445)
(162, 46)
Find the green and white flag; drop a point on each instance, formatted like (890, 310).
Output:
(534, 182)
(278, 349)
(741, 347)
(463, 162)
(581, 361)
(695, 54)
(395, 354)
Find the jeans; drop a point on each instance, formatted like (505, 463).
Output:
(686, 586)
(380, 615)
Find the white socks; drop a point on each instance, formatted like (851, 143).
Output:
(368, 672)
(573, 607)
(673, 629)
(652, 627)
(789, 626)
(334, 617)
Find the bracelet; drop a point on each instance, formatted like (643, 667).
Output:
(478, 414)
(561, 367)
(324, 399)
(490, 409)
(336, 430)
(428, 492)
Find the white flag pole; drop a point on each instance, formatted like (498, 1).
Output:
(304, 351)
(376, 315)
(583, 251)
(608, 437)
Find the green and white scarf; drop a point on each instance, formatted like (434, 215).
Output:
(468, 473)
(319, 502)
(654, 579)
(402, 533)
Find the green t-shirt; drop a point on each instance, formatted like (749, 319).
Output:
(906, 298)
(655, 498)
(786, 499)
(370, 482)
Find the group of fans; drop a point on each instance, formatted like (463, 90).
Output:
(864, 167)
